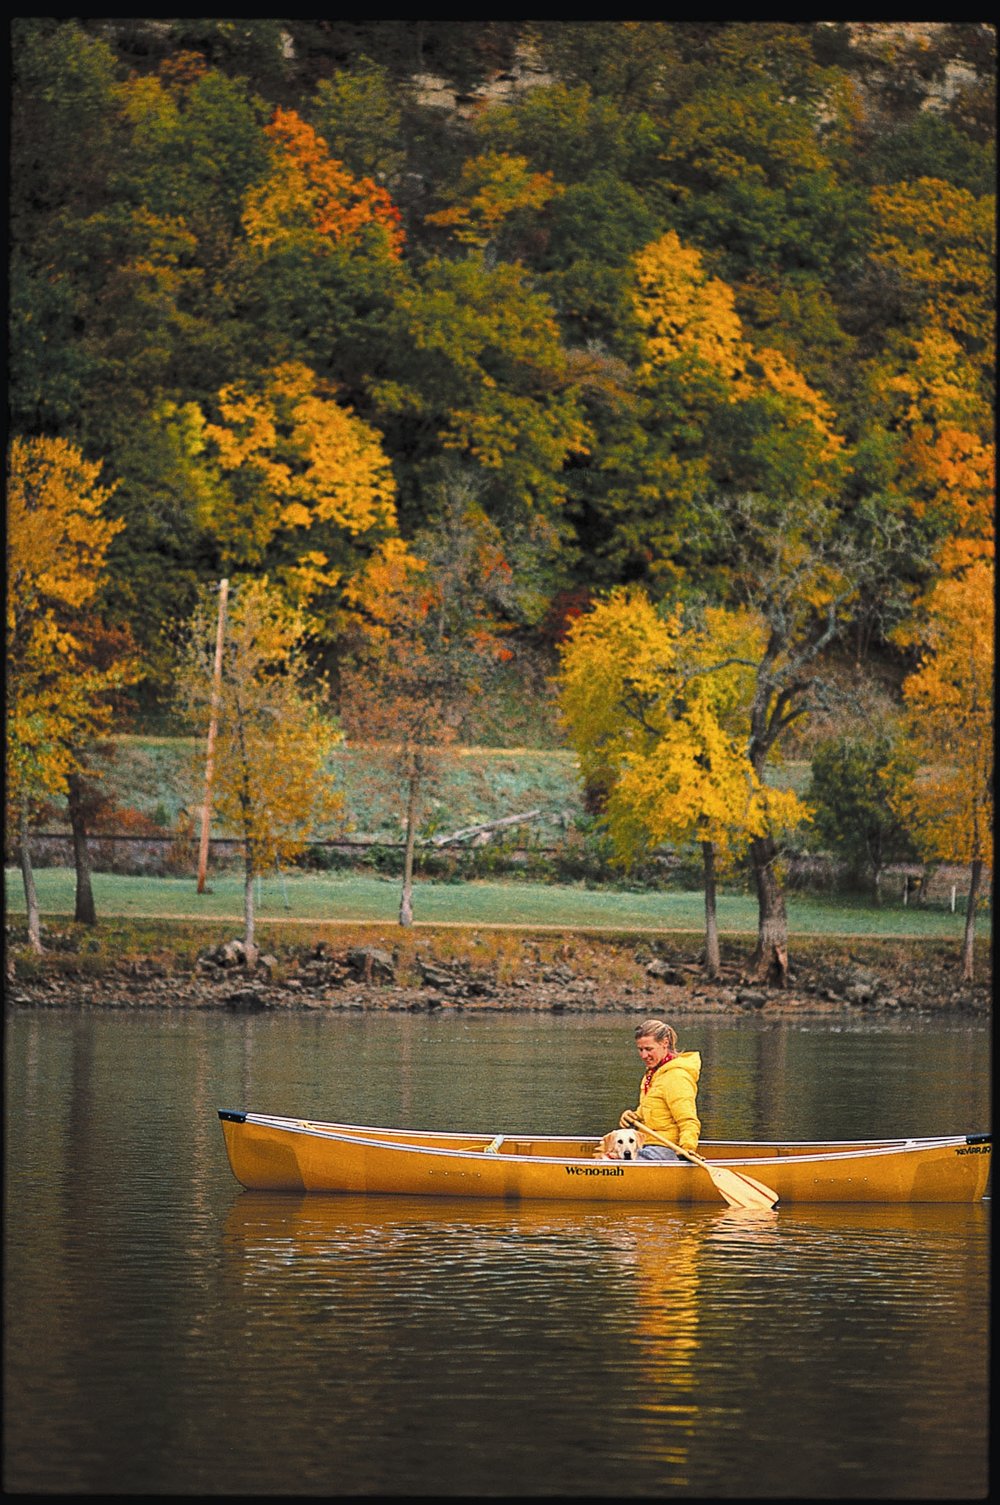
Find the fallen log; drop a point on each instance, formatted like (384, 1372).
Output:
(486, 829)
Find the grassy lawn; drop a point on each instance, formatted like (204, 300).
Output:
(357, 898)
(159, 776)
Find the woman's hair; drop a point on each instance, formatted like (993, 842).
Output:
(657, 1030)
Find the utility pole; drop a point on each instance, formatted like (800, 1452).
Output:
(206, 809)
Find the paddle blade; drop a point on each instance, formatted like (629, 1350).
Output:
(768, 1193)
(740, 1191)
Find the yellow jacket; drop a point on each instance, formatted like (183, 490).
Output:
(670, 1105)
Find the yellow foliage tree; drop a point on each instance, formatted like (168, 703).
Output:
(942, 240)
(290, 480)
(687, 314)
(271, 783)
(58, 535)
(658, 716)
(683, 311)
(948, 804)
(491, 187)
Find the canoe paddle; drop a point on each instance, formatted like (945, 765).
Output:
(737, 1189)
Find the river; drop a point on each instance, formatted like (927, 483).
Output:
(168, 1333)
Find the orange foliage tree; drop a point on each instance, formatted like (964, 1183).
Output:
(932, 387)
(948, 804)
(423, 638)
(309, 189)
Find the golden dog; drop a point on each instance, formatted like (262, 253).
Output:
(620, 1144)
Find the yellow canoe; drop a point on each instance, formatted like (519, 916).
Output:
(300, 1155)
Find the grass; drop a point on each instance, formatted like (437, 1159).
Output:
(360, 899)
(161, 776)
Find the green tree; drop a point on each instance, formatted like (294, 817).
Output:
(749, 180)
(62, 133)
(482, 377)
(932, 147)
(358, 111)
(570, 132)
(852, 814)
(633, 63)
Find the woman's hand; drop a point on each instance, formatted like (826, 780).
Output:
(628, 1119)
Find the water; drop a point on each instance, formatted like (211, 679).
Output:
(168, 1333)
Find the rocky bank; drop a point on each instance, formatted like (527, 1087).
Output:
(582, 976)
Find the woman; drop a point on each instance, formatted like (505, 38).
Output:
(668, 1091)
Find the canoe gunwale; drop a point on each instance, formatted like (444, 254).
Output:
(840, 1151)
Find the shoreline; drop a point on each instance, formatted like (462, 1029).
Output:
(385, 972)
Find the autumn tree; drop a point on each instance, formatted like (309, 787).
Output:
(494, 190)
(288, 481)
(948, 803)
(925, 394)
(791, 568)
(271, 780)
(58, 535)
(940, 241)
(715, 412)
(308, 189)
(423, 634)
(319, 260)
(662, 735)
(199, 203)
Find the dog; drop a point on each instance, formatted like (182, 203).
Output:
(620, 1144)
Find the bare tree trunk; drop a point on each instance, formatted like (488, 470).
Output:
(84, 911)
(30, 896)
(969, 940)
(206, 809)
(406, 900)
(712, 959)
(249, 942)
(770, 960)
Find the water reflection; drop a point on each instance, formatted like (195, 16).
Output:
(765, 1335)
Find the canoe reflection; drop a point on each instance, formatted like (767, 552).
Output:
(267, 1226)
(661, 1244)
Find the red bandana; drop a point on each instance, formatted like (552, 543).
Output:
(647, 1080)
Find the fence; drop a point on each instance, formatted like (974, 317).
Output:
(173, 855)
